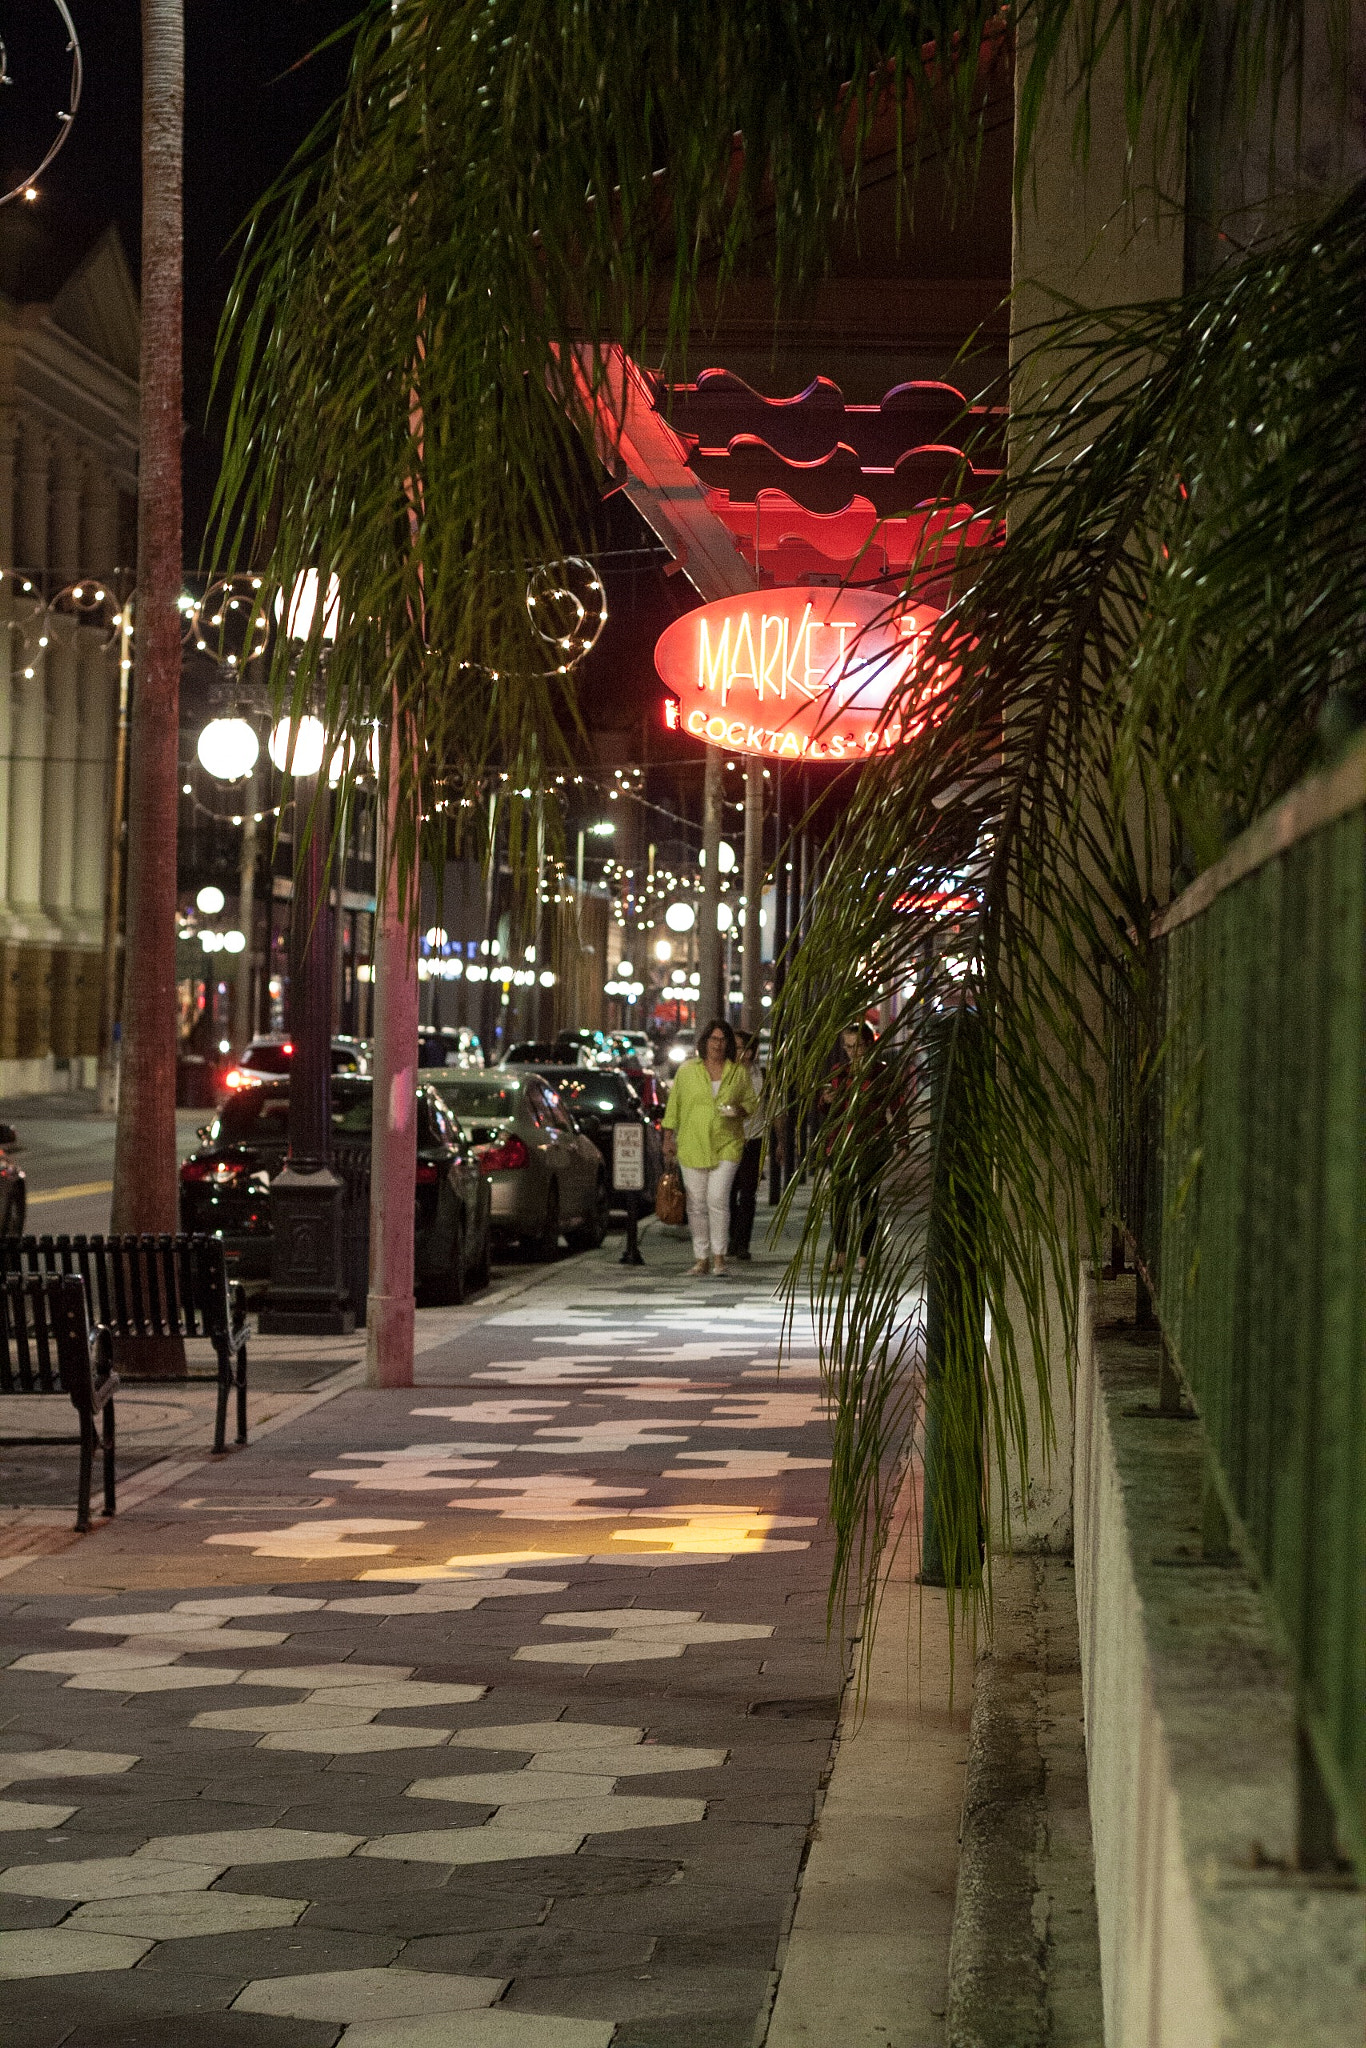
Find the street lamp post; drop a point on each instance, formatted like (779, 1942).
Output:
(307, 1293)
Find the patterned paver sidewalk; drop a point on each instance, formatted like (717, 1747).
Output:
(489, 1714)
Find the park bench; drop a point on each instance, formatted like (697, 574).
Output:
(151, 1293)
(48, 1345)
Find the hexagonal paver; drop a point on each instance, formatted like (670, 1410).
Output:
(344, 1996)
(108, 1877)
(500, 1788)
(538, 1735)
(250, 1845)
(18, 1814)
(62, 1763)
(367, 1739)
(472, 1845)
(171, 1678)
(641, 1761)
(66, 1952)
(602, 1816)
(494, 2028)
(180, 1916)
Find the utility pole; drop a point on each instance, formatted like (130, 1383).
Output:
(709, 997)
(752, 962)
(242, 1013)
(145, 1144)
(393, 1143)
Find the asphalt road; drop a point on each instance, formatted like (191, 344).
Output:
(66, 1152)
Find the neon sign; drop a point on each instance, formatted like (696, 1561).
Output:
(814, 674)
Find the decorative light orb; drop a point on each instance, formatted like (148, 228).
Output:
(436, 938)
(234, 942)
(303, 605)
(725, 858)
(663, 950)
(724, 920)
(680, 917)
(309, 741)
(228, 749)
(678, 977)
(210, 941)
(547, 979)
(625, 970)
(603, 830)
(210, 899)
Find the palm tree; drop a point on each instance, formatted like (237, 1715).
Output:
(507, 193)
(145, 1145)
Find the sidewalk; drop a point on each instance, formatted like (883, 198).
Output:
(497, 1711)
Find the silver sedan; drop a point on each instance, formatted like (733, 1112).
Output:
(547, 1176)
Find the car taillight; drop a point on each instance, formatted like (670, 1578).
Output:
(427, 1174)
(221, 1172)
(507, 1153)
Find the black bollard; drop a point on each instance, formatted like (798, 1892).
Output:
(631, 1255)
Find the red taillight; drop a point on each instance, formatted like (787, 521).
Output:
(427, 1174)
(507, 1153)
(221, 1171)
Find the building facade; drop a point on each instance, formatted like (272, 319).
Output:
(68, 482)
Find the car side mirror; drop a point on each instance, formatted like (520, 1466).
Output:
(8, 1135)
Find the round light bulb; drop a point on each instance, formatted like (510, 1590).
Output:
(680, 917)
(210, 899)
(625, 970)
(303, 603)
(234, 942)
(724, 920)
(228, 749)
(308, 740)
(663, 950)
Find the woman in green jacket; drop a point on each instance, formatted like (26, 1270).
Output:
(704, 1129)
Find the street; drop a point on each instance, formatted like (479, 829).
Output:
(494, 1710)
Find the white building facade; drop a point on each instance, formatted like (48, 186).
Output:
(68, 482)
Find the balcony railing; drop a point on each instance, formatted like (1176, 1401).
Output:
(1241, 1143)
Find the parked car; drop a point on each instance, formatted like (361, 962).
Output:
(547, 1175)
(271, 1054)
(599, 1099)
(539, 1052)
(680, 1047)
(225, 1184)
(583, 1046)
(13, 1187)
(633, 1049)
(449, 1045)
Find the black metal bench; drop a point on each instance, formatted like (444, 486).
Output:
(146, 1290)
(48, 1345)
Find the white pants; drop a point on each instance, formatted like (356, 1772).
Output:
(709, 1206)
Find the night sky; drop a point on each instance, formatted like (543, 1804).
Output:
(253, 92)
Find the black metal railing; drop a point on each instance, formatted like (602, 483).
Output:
(1239, 1102)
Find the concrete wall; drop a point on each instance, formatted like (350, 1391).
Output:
(1209, 1938)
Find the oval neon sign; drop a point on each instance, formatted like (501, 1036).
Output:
(802, 674)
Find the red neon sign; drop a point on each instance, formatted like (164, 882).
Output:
(805, 674)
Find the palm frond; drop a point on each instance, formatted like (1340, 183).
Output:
(1141, 666)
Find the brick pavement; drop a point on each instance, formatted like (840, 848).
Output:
(490, 1712)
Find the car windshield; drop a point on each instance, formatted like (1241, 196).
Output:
(479, 1100)
(278, 1058)
(531, 1052)
(596, 1094)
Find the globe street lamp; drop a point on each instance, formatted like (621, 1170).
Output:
(307, 1293)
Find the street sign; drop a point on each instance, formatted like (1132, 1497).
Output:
(628, 1158)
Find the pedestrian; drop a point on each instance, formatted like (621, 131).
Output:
(704, 1129)
(854, 1211)
(744, 1192)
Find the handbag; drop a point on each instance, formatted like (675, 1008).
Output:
(671, 1203)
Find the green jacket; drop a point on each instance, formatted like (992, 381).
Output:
(705, 1137)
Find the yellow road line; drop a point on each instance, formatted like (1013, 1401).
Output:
(85, 1187)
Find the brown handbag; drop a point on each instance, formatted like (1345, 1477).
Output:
(671, 1204)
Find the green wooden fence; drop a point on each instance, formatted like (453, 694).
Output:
(1259, 1267)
